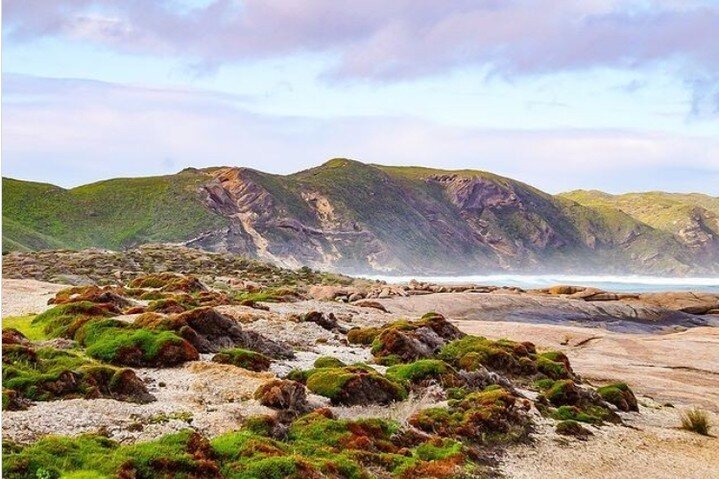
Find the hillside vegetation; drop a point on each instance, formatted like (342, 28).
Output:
(355, 217)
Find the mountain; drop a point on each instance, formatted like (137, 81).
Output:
(354, 217)
(692, 218)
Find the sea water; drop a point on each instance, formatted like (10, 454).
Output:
(634, 284)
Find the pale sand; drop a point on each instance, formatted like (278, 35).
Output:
(26, 296)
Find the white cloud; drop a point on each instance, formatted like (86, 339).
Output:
(74, 131)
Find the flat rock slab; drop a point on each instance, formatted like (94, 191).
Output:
(617, 316)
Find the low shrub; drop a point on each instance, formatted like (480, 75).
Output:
(696, 420)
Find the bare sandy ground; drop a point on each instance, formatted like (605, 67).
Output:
(26, 296)
(650, 448)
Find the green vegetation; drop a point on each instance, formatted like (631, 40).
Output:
(328, 362)
(111, 340)
(243, 358)
(587, 229)
(488, 417)
(123, 211)
(351, 384)
(24, 324)
(64, 320)
(47, 373)
(316, 445)
(696, 420)
(117, 342)
(424, 370)
(473, 352)
(620, 395)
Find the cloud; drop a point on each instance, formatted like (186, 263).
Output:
(380, 40)
(76, 131)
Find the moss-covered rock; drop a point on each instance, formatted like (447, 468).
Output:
(363, 336)
(283, 394)
(120, 343)
(620, 395)
(490, 416)
(474, 352)
(243, 358)
(328, 362)
(572, 428)
(405, 341)
(356, 384)
(65, 320)
(47, 374)
(93, 294)
(426, 371)
(576, 403)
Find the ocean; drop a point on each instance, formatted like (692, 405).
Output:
(633, 284)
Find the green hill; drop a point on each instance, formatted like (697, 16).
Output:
(355, 217)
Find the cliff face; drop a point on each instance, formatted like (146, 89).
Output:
(353, 217)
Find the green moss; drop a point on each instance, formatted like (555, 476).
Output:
(422, 370)
(65, 320)
(24, 324)
(364, 336)
(243, 358)
(47, 373)
(111, 341)
(620, 395)
(472, 352)
(334, 383)
(573, 413)
(552, 369)
(328, 362)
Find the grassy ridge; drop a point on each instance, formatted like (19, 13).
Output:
(111, 214)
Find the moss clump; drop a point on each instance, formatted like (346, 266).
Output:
(555, 365)
(328, 362)
(620, 395)
(120, 343)
(576, 403)
(47, 374)
(24, 324)
(356, 384)
(66, 319)
(363, 336)
(168, 282)
(572, 428)
(243, 358)
(573, 413)
(490, 416)
(316, 445)
(473, 352)
(405, 341)
(424, 371)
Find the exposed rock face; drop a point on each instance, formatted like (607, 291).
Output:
(209, 332)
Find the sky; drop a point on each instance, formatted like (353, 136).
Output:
(594, 94)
